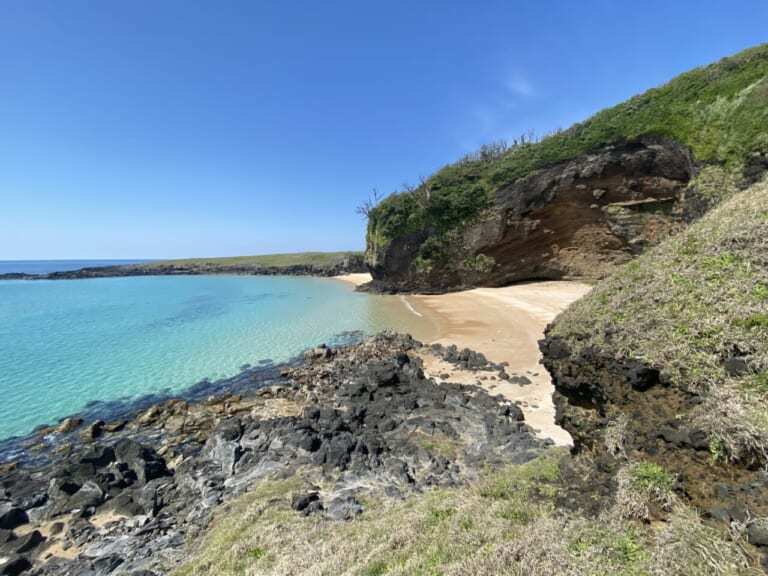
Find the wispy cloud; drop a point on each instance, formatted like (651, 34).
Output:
(499, 111)
(519, 85)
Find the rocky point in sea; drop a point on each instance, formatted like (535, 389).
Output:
(132, 496)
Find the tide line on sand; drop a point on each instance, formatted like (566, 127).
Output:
(410, 307)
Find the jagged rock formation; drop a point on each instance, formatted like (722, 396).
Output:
(357, 419)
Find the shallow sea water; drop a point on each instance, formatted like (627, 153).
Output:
(64, 344)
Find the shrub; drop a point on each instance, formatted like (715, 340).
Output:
(652, 477)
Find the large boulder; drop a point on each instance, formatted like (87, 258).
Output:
(141, 460)
(223, 447)
(11, 516)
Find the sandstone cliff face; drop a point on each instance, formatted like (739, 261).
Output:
(576, 219)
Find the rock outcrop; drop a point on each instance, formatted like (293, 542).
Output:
(576, 219)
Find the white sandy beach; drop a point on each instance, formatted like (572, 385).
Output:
(505, 324)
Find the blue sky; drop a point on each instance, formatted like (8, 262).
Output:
(184, 128)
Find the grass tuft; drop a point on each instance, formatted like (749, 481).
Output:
(650, 476)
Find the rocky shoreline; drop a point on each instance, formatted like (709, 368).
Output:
(132, 496)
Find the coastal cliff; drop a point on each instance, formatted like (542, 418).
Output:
(582, 201)
(578, 219)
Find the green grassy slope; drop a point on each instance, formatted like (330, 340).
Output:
(697, 307)
(319, 259)
(719, 111)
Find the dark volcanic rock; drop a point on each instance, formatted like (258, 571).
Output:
(363, 415)
(11, 516)
(343, 508)
(28, 542)
(14, 566)
(224, 445)
(302, 502)
(140, 460)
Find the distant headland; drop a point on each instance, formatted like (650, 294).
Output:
(294, 264)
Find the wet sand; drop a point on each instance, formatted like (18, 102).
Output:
(355, 279)
(505, 324)
(396, 311)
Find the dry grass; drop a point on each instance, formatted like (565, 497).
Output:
(686, 546)
(689, 306)
(505, 524)
(615, 436)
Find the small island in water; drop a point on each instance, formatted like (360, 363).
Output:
(551, 358)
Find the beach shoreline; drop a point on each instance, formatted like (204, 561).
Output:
(505, 325)
(354, 278)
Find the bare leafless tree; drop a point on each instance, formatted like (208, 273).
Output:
(425, 188)
(369, 204)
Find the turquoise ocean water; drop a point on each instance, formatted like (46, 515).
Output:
(66, 343)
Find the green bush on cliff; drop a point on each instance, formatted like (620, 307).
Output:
(719, 111)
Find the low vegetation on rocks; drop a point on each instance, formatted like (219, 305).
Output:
(295, 264)
(509, 522)
(696, 308)
(660, 377)
(318, 259)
